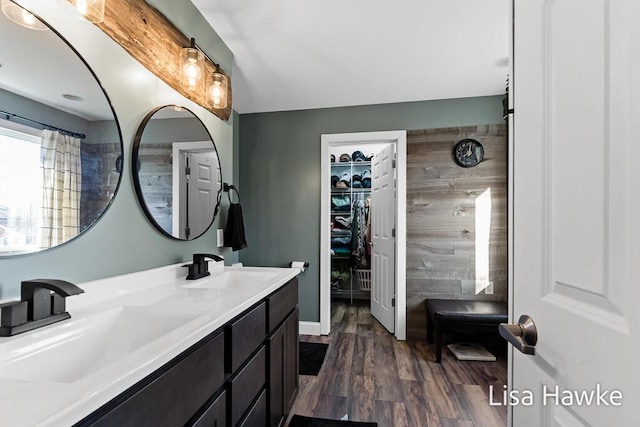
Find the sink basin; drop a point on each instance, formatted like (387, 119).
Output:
(70, 350)
(239, 279)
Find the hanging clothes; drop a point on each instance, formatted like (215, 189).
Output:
(360, 209)
(367, 233)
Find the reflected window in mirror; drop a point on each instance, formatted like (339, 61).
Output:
(60, 141)
(177, 172)
(19, 204)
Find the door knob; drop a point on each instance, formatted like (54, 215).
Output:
(523, 335)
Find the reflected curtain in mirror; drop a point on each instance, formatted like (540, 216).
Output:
(61, 188)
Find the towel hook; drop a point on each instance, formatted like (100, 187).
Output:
(227, 188)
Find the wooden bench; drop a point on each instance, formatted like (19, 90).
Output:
(462, 316)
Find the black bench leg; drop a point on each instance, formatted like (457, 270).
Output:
(438, 343)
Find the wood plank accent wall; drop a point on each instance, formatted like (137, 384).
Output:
(148, 36)
(441, 218)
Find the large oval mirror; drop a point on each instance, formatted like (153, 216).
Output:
(60, 140)
(176, 172)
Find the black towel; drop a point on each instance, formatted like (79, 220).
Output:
(234, 231)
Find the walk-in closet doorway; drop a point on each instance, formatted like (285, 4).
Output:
(349, 191)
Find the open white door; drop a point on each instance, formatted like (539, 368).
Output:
(576, 203)
(203, 190)
(196, 181)
(383, 224)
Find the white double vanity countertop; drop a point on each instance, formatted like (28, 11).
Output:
(121, 329)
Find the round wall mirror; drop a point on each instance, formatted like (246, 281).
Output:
(60, 140)
(176, 172)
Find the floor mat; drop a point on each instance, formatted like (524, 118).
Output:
(311, 357)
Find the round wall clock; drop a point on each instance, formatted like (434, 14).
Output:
(468, 153)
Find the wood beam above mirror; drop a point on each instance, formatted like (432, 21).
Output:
(149, 37)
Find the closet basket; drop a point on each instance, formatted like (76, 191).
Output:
(364, 279)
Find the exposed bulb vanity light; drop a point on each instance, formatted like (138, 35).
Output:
(22, 16)
(192, 67)
(218, 90)
(89, 10)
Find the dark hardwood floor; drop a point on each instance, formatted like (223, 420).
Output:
(371, 376)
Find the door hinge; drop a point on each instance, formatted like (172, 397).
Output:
(393, 163)
(187, 170)
(187, 232)
(393, 232)
(393, 302)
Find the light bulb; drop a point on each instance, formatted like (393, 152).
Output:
(81, 7)
(28, 18)
(192, 62)
(193, 74)
(89, 10)
(218, 91)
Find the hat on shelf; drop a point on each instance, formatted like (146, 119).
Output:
(366, 178)
(346, 178)
(333, 158)
(345, 157)
(358, 156)
(342, 222)
(356, 181)
(334, 180)
(369, 157)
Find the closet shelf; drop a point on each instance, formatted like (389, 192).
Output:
(350, 190)
(350, 293)
(349, 164)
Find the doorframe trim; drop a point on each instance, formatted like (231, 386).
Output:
(398, 137)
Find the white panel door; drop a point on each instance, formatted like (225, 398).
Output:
(383, 222)
(576, 193)
(203, 191)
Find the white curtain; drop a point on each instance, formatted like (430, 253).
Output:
(61, 188)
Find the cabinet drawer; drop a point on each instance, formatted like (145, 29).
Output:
(281, 302)
(246, 385)
(257, 415)
(173, 394)
(215, 415)
(244, 336)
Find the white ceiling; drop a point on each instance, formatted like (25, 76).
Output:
(292, 54)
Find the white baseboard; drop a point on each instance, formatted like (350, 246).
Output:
(309, 328)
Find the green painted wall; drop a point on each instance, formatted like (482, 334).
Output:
(279, 169)
(123, 241)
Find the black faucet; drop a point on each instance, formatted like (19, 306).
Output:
(199, 268)
(42, 303)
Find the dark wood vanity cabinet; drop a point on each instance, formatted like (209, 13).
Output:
(243, 374)
(283, 369)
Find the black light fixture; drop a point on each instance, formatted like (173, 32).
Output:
(192, 60)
